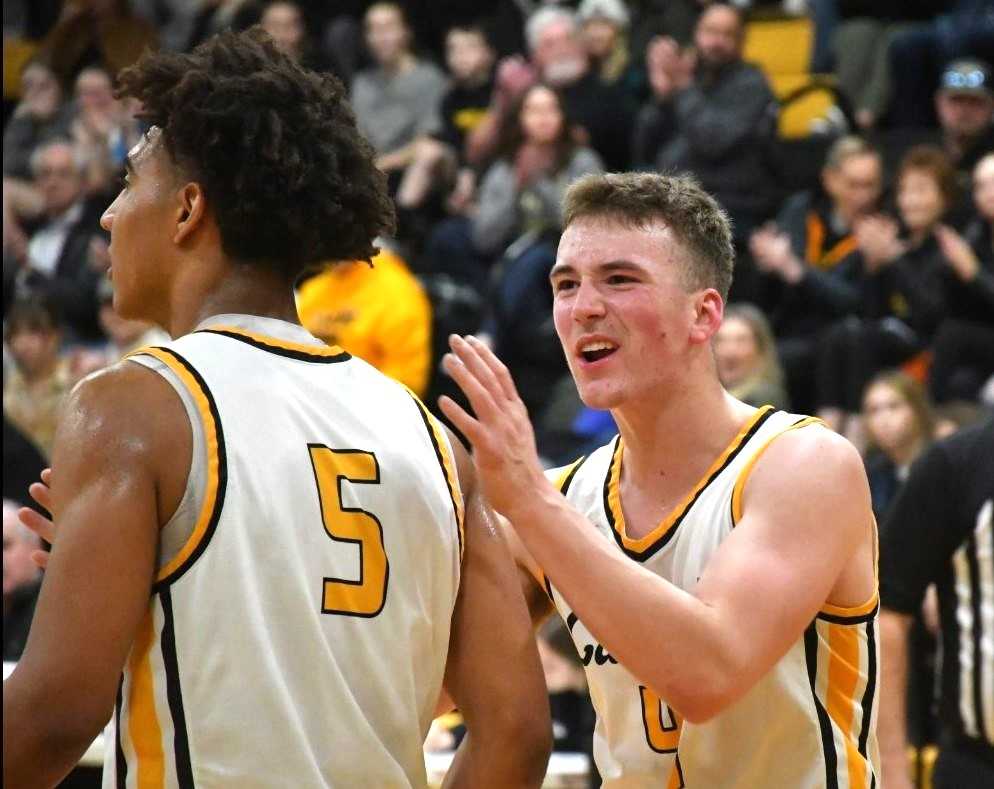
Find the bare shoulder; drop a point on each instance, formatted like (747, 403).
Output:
(809, 475)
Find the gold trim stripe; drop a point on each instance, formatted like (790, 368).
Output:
(143, 722)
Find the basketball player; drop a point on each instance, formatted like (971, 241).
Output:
(715, 562)
(270, 558)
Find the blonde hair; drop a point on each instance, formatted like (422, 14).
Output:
(769, 370)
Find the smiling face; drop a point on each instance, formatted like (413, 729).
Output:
(920, 200)
(142, 223)
(627, 320)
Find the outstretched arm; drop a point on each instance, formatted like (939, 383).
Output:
(493, 673)
(106, 498)
(701, 649)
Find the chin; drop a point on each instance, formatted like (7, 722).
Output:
(601, 396)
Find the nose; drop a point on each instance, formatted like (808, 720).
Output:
(107, 218)
(587, 304)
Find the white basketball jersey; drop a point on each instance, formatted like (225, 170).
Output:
(810, 722)
(298, 629)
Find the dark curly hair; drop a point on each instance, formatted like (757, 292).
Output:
(275, 147)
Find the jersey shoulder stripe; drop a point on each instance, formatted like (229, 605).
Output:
(292, 350)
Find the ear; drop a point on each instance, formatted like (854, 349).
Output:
(191, 212)
(709, 311)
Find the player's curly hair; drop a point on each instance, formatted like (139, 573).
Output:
(275, 147)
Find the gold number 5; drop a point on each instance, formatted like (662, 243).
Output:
(332, 467)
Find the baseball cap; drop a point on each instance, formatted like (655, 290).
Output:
(967, 76)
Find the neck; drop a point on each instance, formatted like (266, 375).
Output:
(688, 428)
(904, 455)
(229, 288)
(403, 62)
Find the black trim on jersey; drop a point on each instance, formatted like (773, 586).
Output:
(300, 356)
(564, 488)
(849, 620)
(120, 763)
(978, 632)
(679, 771)
(868, 697)
(222, 475)
(548, 587)
(181, 744)
(423, 411)
(824, 724)
(649, 552)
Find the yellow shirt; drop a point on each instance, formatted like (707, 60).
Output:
(380, 314)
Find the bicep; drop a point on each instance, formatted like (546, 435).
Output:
(798, 531)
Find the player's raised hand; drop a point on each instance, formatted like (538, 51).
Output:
(501, 433)
(41, 492)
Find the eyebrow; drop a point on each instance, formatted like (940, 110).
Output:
(561, 269)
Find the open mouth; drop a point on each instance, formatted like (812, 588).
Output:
(595, 351)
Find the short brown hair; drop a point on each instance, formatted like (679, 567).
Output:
(639, 199)
(933, 162)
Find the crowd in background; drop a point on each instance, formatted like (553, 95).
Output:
(864, 287)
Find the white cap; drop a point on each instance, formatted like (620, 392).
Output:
(610, 10)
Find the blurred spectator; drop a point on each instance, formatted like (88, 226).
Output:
(378, 312)
(470, 59)
(940, 531)
(34, 392)
(807, 257)
(963, 351)
(284, 21)
(214, 16)
(746, 355)
(21, 581)
(96, 32)
(601, 112)
(711, 114)
(104, 130)
(605, 36)
(61, 255)
(898, 425)
(919, 55)
(397, 101)
(965, 106)
(123, 337)
(902, 297)
(41, 115)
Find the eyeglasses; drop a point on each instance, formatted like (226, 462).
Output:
(965, 79)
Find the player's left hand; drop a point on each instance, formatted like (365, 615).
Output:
(501, 434)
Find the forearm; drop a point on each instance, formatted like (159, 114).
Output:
(38, 748)
(892, 727)
(492, 760)
(397, 159)
(637, 621)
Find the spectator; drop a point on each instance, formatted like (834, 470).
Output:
(519, 216)
(34, 392)
(965, 106)
(963, 352)
(104, 130)
(21, 581)
(96, 32)
(559, 60)
(901, 298)
(898, 423)
(284, 21)
(41, 115)
(60, 258)
(746, 355)
(811, 275)
(940, 531)
(710, 114)
(919, 55)
(397, 101)
(605, 36)
(378, 312)
(213, 16)
(470, 59)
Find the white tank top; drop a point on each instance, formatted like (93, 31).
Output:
(810, 722)
(298, 630)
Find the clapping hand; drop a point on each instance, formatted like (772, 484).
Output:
(957, 253)
(877, 238)
(771, 250)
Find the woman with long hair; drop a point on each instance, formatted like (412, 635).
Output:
(746, 354)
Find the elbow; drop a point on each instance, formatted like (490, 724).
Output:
(704, 693)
